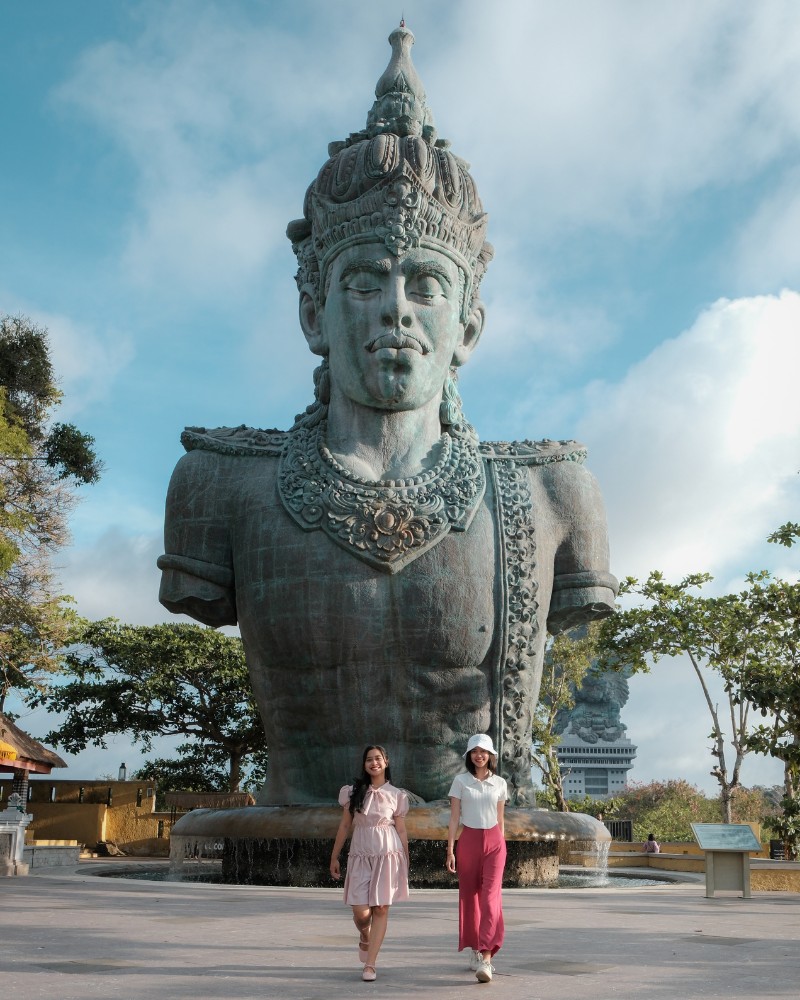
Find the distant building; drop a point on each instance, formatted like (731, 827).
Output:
(594, 752)
(599, 770)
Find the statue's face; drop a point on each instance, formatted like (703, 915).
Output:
(391, 326)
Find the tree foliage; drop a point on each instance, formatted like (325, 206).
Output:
(566, 663)
(161, 680)
(772, 684)
(668, 808)
(35, 628)
(202, 768)
(786, 535)
(41, 463)
(665, 808)
(728, 635)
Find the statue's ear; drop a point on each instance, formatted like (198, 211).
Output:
(311, 324)
(470, 336)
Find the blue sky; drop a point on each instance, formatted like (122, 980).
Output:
(641, 167)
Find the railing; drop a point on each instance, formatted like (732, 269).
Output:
(620, 829)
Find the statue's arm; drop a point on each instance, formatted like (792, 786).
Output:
(197, 568)
(583, 587)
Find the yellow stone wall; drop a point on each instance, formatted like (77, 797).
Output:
(775, 878)
(133, 828)
(85, 823)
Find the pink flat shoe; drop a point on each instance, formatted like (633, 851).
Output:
(369, 975)
(363, 947)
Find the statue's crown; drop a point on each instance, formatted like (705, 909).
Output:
(395, 182)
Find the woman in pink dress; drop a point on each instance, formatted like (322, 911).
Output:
(377, 864)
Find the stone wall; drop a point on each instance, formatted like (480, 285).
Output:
(92, 811)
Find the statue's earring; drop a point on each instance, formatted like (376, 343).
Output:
(322, 383)
(450, 408)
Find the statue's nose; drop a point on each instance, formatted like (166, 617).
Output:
(396, 310)
(395, 320)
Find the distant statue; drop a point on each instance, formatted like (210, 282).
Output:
(392, 576)
(598, 703)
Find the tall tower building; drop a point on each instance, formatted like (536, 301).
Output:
(594, 752)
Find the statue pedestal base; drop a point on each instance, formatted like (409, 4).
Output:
(293, 862)
(291, 845)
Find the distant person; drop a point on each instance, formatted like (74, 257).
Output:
(651, 845)
(377, 865)
(477, 803)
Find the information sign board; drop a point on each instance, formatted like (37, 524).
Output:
(725, 837)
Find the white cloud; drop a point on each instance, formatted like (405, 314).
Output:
(208, 104)
(116, 577)
(768, 248)
(207, 238)
(697, 448)
(607, 125)
(592, 114)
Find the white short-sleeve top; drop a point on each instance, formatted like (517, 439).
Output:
(479, 799)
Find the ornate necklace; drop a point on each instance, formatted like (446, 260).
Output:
(390, 522)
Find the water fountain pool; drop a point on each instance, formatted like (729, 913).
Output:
(211, 872)
(291, 845)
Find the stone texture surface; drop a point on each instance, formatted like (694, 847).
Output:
(84, 938)
(393, 577)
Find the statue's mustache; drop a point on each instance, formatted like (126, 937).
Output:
(399, 340)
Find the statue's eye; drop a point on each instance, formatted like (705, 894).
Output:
(426, 286)
(362, 281)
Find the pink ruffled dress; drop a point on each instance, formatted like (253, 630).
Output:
(377, 870)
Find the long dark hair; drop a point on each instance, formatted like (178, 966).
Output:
(363, 781)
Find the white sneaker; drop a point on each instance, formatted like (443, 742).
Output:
(484, 971)
(475, 960)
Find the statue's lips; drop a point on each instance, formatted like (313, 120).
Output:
(395, 342)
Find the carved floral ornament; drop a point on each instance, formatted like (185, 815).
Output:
(386, 523)
(401, 228)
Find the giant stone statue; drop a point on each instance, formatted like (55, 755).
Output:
(393, 577)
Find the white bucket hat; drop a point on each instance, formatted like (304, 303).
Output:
(480, 740)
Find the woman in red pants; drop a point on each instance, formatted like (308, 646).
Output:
(477, 803)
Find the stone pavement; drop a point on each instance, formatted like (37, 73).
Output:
(79, 937)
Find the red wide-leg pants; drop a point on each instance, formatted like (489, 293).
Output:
(480, 860)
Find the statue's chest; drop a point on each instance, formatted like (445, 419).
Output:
(302, 598)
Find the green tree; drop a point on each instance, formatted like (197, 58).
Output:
(41, 464)
(668, 808)
(160, 680)
(566, 663)
(35, 628)
(726, 635)
(41, 461)
(786, 535)
(772, 684)
(665, 808)
(201, 767)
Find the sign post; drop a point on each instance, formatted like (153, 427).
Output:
(727, 848)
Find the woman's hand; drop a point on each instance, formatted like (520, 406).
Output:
(341, 836)
(452, 830)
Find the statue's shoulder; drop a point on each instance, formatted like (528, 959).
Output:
(544, 452)
(235, 441)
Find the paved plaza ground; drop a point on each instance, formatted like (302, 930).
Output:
(80, 937)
